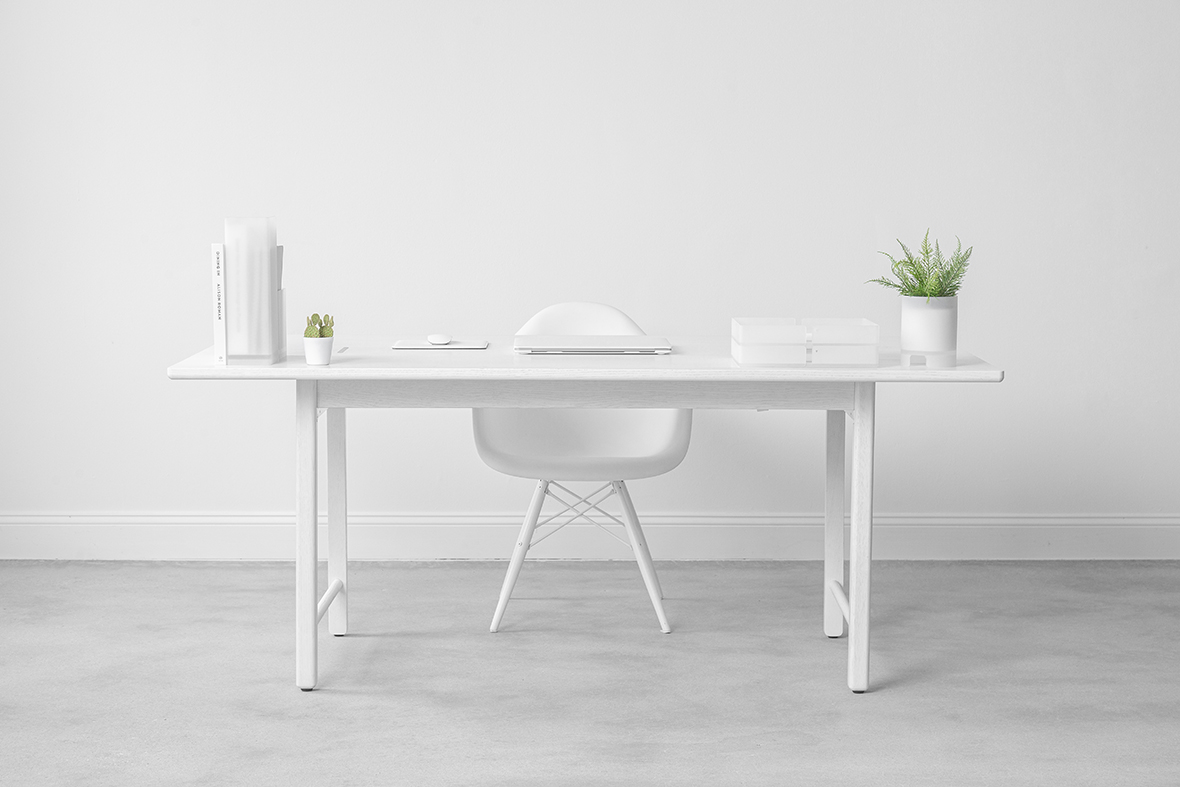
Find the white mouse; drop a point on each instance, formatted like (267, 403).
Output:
(439, 338)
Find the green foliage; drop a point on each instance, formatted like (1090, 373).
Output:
(928, 275)
(319, 328)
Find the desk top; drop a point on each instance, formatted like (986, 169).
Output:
(692, 359)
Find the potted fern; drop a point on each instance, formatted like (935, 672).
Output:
(317, 340)
(928, 284)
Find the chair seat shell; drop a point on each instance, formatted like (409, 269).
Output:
(582, 445)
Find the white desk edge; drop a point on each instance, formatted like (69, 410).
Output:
(699, 359)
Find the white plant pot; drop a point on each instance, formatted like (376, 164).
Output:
(318, 351)
(929, 330)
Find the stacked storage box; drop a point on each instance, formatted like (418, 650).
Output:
(821, 341)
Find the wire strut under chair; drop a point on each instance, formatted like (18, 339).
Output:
(591, 505)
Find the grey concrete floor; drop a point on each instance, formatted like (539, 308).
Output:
(982, 673)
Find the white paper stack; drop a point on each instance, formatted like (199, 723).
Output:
(820, 341)
(254, 300)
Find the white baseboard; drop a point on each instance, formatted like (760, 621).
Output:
(245, 536)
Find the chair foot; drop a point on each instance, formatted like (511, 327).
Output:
(302, 689)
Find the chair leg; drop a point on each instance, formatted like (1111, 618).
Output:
(642, 556)
(522, 548)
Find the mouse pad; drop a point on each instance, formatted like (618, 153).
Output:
(456, 344)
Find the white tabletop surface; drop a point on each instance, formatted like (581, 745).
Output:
(692, 359)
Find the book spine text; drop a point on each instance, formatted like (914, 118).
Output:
(219, 313)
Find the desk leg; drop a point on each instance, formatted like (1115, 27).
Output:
(834, 523)
(861, 550)
(337, 521)
(306, 594)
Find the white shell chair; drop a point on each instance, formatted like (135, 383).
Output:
(610, 445)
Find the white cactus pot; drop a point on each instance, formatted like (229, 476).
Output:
(929, 330)
(318, 351)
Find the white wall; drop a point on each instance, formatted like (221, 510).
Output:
(456, 166)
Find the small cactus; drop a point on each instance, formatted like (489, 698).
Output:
(318, 328)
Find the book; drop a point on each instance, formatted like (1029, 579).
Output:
(219, 333)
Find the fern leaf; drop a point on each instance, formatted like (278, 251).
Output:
(930, 273)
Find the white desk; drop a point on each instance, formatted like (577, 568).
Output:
(698, 374)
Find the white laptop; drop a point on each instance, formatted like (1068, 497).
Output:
(542, 344)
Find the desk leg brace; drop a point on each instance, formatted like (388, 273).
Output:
(861, 547)
(306, 600)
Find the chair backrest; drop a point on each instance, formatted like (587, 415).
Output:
(511, 440)
(580, 319)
